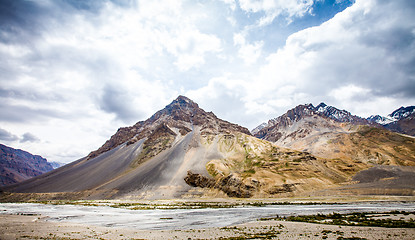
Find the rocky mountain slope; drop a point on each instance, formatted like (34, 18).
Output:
(181, 114)
(17, 165)
(355, 146)
(398, 114)
(402, 120)
(339, 115)
(307, 120)
(405, 125)
(149, 159)
(336, 134)
(184, 152)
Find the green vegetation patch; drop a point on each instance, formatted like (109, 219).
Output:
(355, 219)
(270, 232)
(153, 147)
(171, 205)
(211, 170)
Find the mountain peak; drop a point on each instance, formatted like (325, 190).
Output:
(380, 119)
(402, 120)
(402, 112)
(322, 104)
(182, 102)
(182, 108)
(183, 98)
(305, 111)
(321, 107)
(181, 114)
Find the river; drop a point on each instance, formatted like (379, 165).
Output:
(185, 218)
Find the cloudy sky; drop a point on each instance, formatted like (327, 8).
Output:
(73, 71)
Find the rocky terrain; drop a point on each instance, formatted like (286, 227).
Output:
(147, 160)
(183, 151)
(17, 165)
(405, 125)
(340, 137)
(181, 114)
(402, 120)
(336, 134)
(306, 120)
(251, 167)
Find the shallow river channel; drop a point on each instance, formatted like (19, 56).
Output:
(185, 218)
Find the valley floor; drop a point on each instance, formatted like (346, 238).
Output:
(34, 227)
(27, 225)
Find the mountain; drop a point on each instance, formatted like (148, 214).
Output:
(339, 115)
(405, 125)
(181, 114)
(183, 151)
(17, 165)
(180, 151)
(402, 112)
(360, 149)
(402, 120)
(149, 159)
(56, 165)
(305, 120)
(380, 120)
(330, 133)
(258, 128)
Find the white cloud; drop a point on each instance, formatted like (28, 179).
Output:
(224, 95)
(7, 136)
(105, 70)
(343, 58)
(348, 93)
(28, 137)
(190, 48)
(71, 75)
(248, 52)
(231, 3)
(348, 62)
(275, 8)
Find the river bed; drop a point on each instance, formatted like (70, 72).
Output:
(185, 218)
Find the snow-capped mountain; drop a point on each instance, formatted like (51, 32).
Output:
(330, 133)
(402, 120)
(307, 110)
(338, 115)
(398, 114)
(305, 120)
(402, 112)
(183, 151)
(380, 119)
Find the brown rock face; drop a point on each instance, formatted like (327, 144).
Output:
(231, 185)
(17, 165)
(197, 180)
(182, 114)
